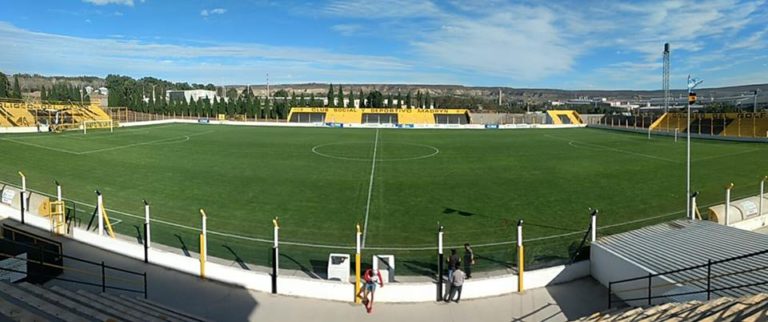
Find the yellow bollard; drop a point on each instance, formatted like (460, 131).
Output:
(357, 264)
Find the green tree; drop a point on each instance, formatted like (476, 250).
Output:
(16, 87)
(43, 94)
(329, 96)
(375, 99)
(340, 98)
(4, 85)
(427, 100)
(389, 101)
(399, 100)
(351, 102)
(408, 100)
(362, 98)
(312, 100)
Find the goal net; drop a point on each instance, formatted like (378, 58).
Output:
(97, 124)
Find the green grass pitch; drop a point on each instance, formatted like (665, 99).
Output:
(321, 182)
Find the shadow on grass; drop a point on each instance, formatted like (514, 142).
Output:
(139, 238)
(237, 258)
(312, 272)
(450, 211)
(183, 245)
(420, 268)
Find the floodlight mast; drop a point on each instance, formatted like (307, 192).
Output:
(692, 83)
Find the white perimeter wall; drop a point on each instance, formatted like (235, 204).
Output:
(308, 287)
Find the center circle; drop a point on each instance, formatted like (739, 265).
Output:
(362, 151)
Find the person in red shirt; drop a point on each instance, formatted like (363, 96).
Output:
(371, 278)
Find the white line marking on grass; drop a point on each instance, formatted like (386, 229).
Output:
(370, 186)
(41, 146)
(571, 143)
(316, 150)
(144, 143)
(725, 155)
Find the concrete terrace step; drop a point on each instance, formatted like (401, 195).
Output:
(126, 313)
(149, 313)
(160, 312)
(188, 316)
(40, 304)
(62, 301)
(17, 313)
(87, 301)
(747, 308)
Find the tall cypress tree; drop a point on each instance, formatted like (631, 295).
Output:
(43, 94)
(329, 96)
(362, 98)
(4, 85)
(16, 87)
(340, 98)
(351, 102)
(399, 100)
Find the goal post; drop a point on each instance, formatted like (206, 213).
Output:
(97, 124)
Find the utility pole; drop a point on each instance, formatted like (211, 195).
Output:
(692, 83)
(665, 80)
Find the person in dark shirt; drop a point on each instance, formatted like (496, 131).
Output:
(469, 260)
(453, 262)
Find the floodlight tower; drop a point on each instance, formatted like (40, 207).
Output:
(692, 83)
(665, 81)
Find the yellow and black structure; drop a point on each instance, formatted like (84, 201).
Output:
(146, 231)
(22, 195)
(275, 255)
(56, 212)
(728, 203)
(377, 115)
(358, 234)
(440, 262)
(762, 195)
(520, 257)
(103, 218)
(203, 244)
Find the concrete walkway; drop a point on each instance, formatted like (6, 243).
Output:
(220, 302)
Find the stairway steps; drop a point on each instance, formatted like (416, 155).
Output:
(62, 301)
(191, 317)
(163, 313)
(15, 312)
(125, 312)
(87, 301)
(40, 304)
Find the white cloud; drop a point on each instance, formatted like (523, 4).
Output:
(58, 54)
(347, 29)
(216, 11)
(381, 9)
(106, 2)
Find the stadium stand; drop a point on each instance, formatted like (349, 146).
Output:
(29, 302)
(746, 308)
(723, 124)
(378, 115)
(15, 113)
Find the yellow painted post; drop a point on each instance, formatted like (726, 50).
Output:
(203, 245)
(728, 202)
(520, 257)
(357, 264)
(23, 182)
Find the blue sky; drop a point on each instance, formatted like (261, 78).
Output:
(532, 44)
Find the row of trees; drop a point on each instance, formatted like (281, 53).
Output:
(64, 93)
(6, 91)
(376, 99)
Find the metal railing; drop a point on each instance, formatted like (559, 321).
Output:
(709, 277)
(102, 276)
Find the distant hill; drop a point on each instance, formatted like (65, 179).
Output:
(33, 83)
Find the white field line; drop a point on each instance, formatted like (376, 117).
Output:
(571, 143)
(370, 186)
(352, 247)
(183, 138)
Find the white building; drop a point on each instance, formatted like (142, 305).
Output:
(196, 94)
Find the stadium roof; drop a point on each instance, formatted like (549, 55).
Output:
(684, 243)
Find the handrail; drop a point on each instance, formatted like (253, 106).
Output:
(709, 277)
(693, 267)
(101, 265)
